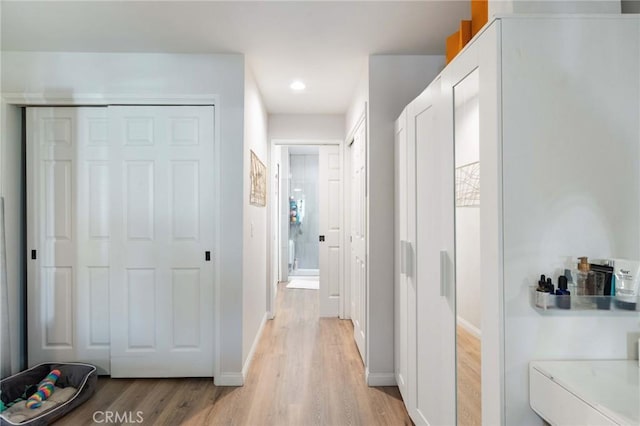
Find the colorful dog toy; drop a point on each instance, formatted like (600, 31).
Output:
(45, 389)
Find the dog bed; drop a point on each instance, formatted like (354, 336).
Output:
(76, 384)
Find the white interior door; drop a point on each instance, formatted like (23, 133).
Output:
(358, 221)
(68, 236)
(330, 195)
(162, 171)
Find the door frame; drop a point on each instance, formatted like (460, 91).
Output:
(12, 122)
(345, 286)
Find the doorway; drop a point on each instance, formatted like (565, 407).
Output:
(307, 230)
(303, 261)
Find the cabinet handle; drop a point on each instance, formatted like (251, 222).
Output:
(408, 258)
(403, 263)
(443, 273)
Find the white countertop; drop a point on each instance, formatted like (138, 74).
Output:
(611, 387)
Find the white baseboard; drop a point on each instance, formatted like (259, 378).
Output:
(469, 327)
(229, 379)
(380, 379)
(254, 346)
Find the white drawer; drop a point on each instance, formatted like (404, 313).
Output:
(560, 407)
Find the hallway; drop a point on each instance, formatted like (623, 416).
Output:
(306, 371)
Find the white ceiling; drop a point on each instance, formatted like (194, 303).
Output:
(323, 43)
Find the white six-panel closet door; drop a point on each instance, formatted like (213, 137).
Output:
(120, 221)
(68, 236)
(162, 175)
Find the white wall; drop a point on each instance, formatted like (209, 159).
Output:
(306, 126)
(553, 6)
(255, 241)
(571, 180)
(394, 81)
(72, 75)
(359, 100)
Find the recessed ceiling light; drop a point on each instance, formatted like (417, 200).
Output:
(298, 86)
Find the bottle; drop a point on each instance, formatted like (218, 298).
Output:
(542, 295)
(572, 287)
(584, 278)
(564, 301)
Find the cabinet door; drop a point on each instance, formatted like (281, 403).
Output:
(403, 376)
(471, 92)
(435, 334)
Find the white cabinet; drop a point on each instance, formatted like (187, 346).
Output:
(559, 147)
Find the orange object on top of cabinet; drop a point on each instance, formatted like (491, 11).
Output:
(453, 46)
(468, 29)
(479, 15)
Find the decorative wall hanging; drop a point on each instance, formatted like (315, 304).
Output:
(258, 176)
(468, 185)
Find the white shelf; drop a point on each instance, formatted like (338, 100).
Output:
(547, 301)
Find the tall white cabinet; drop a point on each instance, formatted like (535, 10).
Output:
(559, 148)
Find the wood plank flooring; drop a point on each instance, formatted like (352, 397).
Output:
(306, 371)
(469, 379)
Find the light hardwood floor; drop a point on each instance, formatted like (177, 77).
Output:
(469, 379)
(306, 371)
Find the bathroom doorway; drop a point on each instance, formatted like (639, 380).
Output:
(308, 233)
(303, 209)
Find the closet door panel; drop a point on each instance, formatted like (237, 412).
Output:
(68, 236)
(162, 169)
(94, 237)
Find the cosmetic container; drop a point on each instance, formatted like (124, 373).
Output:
(563, 296)
(585, 279)
(627, 273)
(602, 277)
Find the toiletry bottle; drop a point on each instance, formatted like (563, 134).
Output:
(572, 287)
(584, 277)
(549, 286)
(564, 299)
(542, 296)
